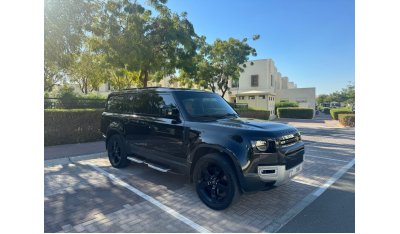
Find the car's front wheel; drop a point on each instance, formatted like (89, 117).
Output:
(215, 181)
(117, 152)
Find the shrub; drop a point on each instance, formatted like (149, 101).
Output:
(256, 114)
(67, 126)
(94, 96)
(297, 113)
(285, 104)
(347, 119)
(239, 106)
(67, 97)
(335, 111)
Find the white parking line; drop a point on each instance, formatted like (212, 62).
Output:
(280, 222)
(163, 207)
(332, 159)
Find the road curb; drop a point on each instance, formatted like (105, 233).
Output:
(66, 160)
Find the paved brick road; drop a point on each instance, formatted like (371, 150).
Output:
(80, 199)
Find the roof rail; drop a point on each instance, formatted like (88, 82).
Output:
(151, 87)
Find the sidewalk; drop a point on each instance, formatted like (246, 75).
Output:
(321, 120)
(62, 151)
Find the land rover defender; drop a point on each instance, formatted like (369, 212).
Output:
(198, 134)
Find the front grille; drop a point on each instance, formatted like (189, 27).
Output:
(292, 161)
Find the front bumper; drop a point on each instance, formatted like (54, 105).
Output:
(273, 168)
(278, 173)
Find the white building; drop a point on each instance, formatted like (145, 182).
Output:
(261, 85)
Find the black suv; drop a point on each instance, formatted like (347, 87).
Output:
(198, 134)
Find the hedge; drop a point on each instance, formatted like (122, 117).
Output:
(75, 103)
(67, 126)
(256, 114)
(285, 104)
(297, 113)
(347, 119)
(336, 111)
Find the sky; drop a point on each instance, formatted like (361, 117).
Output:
(311, 41)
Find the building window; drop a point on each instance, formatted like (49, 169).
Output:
(262, 96)
(254, 81)
(241, 97)
(252, 97)
(272, 81)
(235, 83)
(301, 100)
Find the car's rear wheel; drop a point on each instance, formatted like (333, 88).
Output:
(117, 152)
(215, 181)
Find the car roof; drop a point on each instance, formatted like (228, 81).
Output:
(157, 89)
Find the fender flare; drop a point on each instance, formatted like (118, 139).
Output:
(111, 130)
(231, 155)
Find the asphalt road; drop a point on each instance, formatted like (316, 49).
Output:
(333, 211)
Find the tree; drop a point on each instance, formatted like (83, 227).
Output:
(66, 23)
(153, 46)
(88, 71)
(221, 61)
(322, 98)
(122, 78)
(346, 95)
(349, 94)
(52, 77)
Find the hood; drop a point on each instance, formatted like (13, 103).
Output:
(272, 128)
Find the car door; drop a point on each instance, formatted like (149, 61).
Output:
(137, 125)
(167, 135)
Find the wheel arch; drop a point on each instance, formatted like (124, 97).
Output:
(111, 132)
(230, 156)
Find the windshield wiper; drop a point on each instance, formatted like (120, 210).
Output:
(217, 116)
(227, 114)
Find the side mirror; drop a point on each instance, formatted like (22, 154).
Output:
(170, 112)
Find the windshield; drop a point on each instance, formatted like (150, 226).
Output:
(204, 104)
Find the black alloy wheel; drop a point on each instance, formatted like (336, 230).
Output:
(215, 182)
(116, 152)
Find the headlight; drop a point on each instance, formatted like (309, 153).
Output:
(260, 145)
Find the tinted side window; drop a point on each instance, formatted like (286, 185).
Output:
(132, 101)
(168, 102)
(148, 103)
(115, 104)
(143, 103)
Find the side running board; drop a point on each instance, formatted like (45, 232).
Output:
(151, 165)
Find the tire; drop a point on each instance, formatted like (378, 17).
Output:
(116, 151)
(215, 181)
